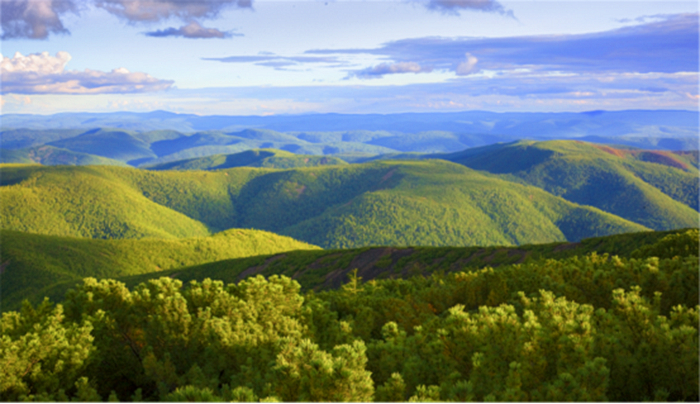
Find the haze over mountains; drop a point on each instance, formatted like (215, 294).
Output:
(157, 137)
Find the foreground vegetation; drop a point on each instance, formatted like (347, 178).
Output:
(583, 328)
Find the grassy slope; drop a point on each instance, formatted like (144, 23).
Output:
(49, 155)
(657, 190)
(31, 262)
(251, 158)
(383, 203)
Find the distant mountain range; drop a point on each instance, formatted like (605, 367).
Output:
(160, 137)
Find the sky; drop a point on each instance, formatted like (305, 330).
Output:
(260, 57)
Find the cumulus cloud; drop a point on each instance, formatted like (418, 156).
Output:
(34, 19)
(46, 74)
(192, 30)
(158, 10)
(468, 66)
(453, 6)
(392, 68)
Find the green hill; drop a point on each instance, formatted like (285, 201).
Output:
(432, 202)
(86, 202)
(414, 203)
(32, 262)
(656, 189)
(251, 158)
(49, 155)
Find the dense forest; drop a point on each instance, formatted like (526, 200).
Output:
(584, 328)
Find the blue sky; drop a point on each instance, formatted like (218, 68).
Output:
(257, 57)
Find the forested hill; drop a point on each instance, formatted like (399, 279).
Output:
(431, 202)
(656, 189)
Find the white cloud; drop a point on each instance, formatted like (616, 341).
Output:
(41, 63)
(191, 30)
(453, 6)
(468, 66)
(42, 73)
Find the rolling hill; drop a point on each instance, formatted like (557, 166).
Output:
(656, 189)
(432, 202)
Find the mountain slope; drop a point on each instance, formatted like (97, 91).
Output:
(656, 189)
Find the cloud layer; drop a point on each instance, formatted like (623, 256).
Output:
(192, 30)
(453, 6)
(279, 62)
(392, 68)
(158, 10)
(667, 46)
(46, 74)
